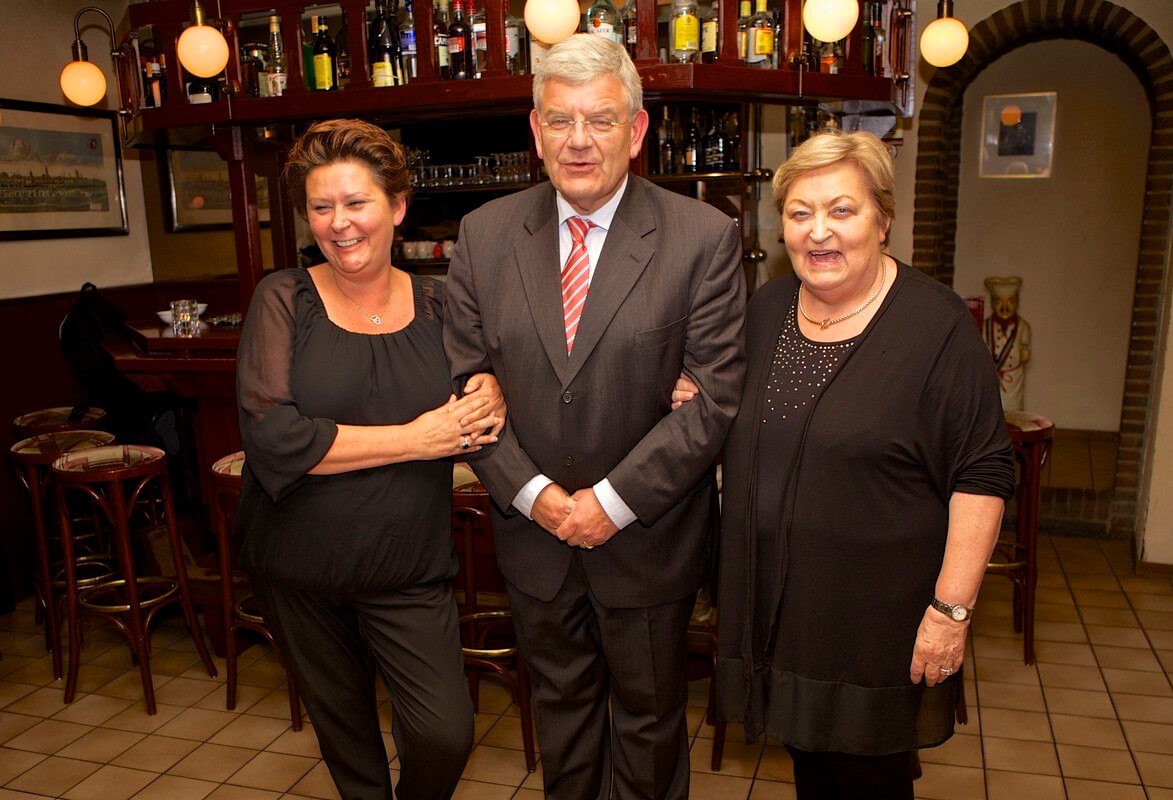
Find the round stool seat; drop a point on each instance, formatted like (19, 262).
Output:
(227, 470)
(104, 464)
(1025, 426)
(43, 449)
(61, 418)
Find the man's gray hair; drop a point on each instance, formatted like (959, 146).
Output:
(583, 58)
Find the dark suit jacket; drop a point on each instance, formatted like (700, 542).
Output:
(668, 293)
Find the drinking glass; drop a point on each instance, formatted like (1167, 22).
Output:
(185, 317)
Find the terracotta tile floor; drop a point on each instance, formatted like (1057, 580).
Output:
(1093, 719)
(1082, 460)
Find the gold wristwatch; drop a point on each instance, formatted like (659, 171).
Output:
(956, 612)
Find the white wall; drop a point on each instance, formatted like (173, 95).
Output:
(1074, 238)
(30, 64)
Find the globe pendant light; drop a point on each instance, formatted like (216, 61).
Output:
(202, 49)
(551, 21)
(945, 39)
(830, 20)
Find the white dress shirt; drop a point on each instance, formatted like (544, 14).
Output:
(619, 512)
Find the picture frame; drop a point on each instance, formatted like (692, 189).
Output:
(1018, 135)
(197, 194)
(60, 172)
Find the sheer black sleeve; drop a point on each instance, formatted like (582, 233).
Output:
(281, 445)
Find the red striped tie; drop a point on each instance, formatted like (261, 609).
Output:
(575, 278)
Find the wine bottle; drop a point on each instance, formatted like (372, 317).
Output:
(692, 144)
(602, 19)
(342, 54)
(709, 30)
(760, 41)
(460, 52)
(665, 145)
(743, 17)
(684, 32)
(630, 28)
(383, 48)
(325, 77)
(480, 38)
(407, 44)
(275, 74)
(440, 41)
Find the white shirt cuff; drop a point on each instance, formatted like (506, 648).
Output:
(524, 502)
(613, 504)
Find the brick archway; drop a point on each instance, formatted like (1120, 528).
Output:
(1122, 33)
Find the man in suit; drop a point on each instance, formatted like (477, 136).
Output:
(605, 498)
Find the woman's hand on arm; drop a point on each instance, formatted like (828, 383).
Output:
(485, 385)
(974, 522)
(684, 391)
(438, 433)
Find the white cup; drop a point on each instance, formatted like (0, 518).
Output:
(449, 246)
(410, 250)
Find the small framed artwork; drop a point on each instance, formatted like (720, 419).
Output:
(196, 193)
(60, 172)
(1018, 135)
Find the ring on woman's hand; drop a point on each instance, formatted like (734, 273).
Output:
(946, 671)
(465, 443)
(586, 546)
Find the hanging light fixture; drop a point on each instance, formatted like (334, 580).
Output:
(945, 39)
(830, 20)
(82, 80)
(551, 21)
(202, 49)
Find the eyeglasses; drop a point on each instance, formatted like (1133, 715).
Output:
(596, 127)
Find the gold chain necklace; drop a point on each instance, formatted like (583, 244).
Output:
(828, 322)
(376, 319)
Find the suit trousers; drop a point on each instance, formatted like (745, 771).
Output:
(413, 636)
(609, 689)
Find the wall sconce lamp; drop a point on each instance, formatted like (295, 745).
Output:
(82, 80)
(945, 39)
(829, 20)
(551, 21)
(201, 48)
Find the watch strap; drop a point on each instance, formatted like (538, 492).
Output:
(954, 611)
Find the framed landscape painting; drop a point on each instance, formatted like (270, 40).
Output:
(60, 172)
(196, 191)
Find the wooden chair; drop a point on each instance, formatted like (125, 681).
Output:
(486, 626)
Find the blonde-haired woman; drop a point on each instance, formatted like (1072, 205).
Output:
(865, 478)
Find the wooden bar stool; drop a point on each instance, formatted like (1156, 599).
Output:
(53, 420)
(242, 613)
(486, 626)
(31, 457)
(1030, 437)
(119, 481)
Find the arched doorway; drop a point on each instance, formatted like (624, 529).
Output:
(935, 218)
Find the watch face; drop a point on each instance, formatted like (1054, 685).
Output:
(959, 613)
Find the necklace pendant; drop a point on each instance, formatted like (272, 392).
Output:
(375, 318)
(825, 324)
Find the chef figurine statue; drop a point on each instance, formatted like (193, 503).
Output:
(1007, 335)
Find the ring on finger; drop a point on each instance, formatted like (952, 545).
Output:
(465, 443)
(586, 546)
(947, 670)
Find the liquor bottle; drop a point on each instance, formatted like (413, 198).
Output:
(515, 40)
(480, 38)
(880, 48)
(776, 58)
(383, 48)
(408, 51)
(830, 57)
(342, 54)
(712, 145)
(630, 28)
(156, 88)
(460, 45)
(760, 37)
(325, 63)
(275, 73)
(691, 160)
(602, 19)
(732, 132)
(684, 32)
(665, 152)
(440, 41)
(709, 30)
(743, 17)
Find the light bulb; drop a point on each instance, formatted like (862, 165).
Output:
(83, 83)
(551, 21)
(944, 41)
(202, 51)
(830, 20)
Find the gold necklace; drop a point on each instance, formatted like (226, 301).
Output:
(828, 322)
(376, 319)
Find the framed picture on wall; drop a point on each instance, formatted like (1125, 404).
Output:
(196, 193)
(1018, 135)
(60, 172)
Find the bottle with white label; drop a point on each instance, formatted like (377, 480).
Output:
(684, 32)
(760, 39)
(602, 19)
(275, 74)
